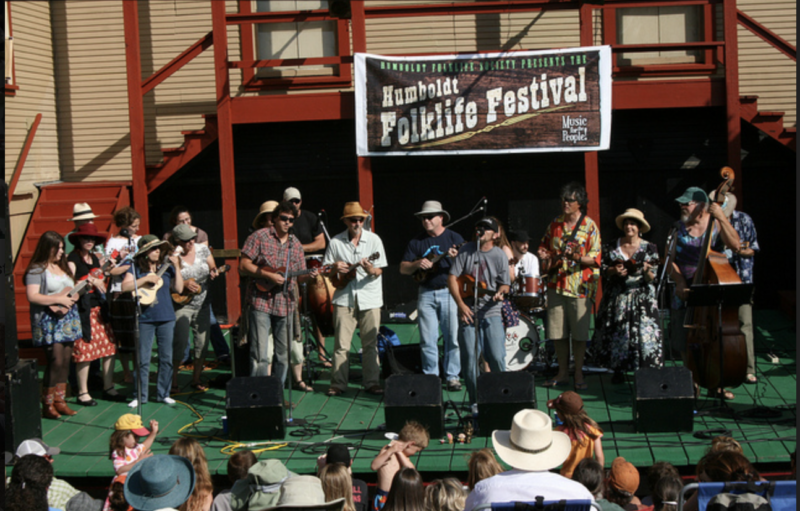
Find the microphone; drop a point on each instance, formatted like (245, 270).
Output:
(125, 233)
(485, 206)
(480, 231)
(321, 212)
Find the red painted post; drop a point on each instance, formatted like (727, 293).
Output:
(133, 66)
(365, 192)
(23, 157)
(227, 172)
(732, 94)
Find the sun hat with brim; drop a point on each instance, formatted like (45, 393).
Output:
(131, 422)
(567, 402)
(262, 485)
(266, 209)
(87, 231)
(728, 206)
(160, 481)
(37, 447)
(433, 207)
(147, 242)
(634, 214)
(692, 193)
(531, 444)
(352, 209)
(82, 211)
(183, 233)
(305, 492)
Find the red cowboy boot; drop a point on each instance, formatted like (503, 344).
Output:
(48, 411)
(59, 403)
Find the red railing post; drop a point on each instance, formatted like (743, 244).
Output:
(23, 157)
(732, 101)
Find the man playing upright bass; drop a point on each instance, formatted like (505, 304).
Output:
(428, 259)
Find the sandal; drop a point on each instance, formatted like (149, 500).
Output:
(303, 387)
(199, 387)
(751, 379)
(581, 386)
(721, 394)
(555, 383)
(90, 402)
(333, 391)
(324, 361)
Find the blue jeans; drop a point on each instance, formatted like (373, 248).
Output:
(494, 345)
(261, 325)
(163, 331)
(437, 309)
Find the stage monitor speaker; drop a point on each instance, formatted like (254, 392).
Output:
(254, 405)
(501, 396)
(663, 400)
(23, 412)
(415, 397)
(407, 356)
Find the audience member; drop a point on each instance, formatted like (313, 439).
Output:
(532, 448)
(622, 483)
(30, 479)
(304, 493)
(124, 451)
(412, 439)
(726, 466)
(407, 493)
(116, 495)
(446, 494)
(666, 493)
(584, 433)
(656, 472)
(59, 491)
(482, 465)
(725, 443)
(261, 488)
(338, 453)
(161, 482)
(203, 494)
(589, 473)
(238, 465)
(337, 483)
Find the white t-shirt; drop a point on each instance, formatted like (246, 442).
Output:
(118, 244)
(522, 486)
(529, 265)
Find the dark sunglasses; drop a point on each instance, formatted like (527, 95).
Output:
(285, 218)
(354, 219)
(428, 217)
(567, 199)
(295, 201)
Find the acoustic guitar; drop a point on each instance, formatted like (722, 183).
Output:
(265, 285)
(187, 296)
(552, 266)
(340, 280)
(82, 287)
(147, 293)
(466, 287)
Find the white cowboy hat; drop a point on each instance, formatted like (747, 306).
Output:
(531, 444)
(304, 493)
(433, 207)
(634, 214)
(728, 206)
(82, 211)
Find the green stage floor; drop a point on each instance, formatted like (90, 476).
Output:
(355, 417)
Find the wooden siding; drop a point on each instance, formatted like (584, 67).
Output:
(764, 71)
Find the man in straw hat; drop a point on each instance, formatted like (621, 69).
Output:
(742, 261)
(531, 448)
(435, 306)
(81, 214)
(359, 303)
(264, 252)
(572, 281)
(696, 213)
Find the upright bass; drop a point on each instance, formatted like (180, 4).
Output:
(716, 352)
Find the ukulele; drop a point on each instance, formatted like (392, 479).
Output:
(466, 287)
(552, 266)
(147, 292)
(82, 287)
(187, 296)
(422, 275)
(340, 280)
(265, 285)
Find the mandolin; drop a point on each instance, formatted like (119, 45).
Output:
(265, 285)
(466, 287)
(340, 280)
(434, 256)
(187, 296)
(147, 293)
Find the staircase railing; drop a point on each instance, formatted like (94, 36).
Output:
(767, 35)
(23, 157)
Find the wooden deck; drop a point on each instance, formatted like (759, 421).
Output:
(355, 418)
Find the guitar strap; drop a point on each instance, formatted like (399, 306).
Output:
(575, 230)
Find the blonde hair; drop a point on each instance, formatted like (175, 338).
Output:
(482, 465)
(725, 443)
(337, 483)
(415, 432)
(191, 449)
(445, 495)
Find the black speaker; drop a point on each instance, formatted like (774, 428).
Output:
(501, 396)
(8, 321)
(254, 405)
(663, 400)
(403, 359)
(415, 397)
(23, 412)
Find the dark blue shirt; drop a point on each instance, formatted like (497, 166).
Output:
(423, 244)
(161, 309)
(746, 230)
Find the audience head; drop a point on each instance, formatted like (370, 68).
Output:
(659, 470)
(116, 494)
(446, 494)
(337, 483)
(160, 481)
(622, 482)
(30, 479)
(725, 443)
(304, 492)
(666, 493)
(569, 406)
(36, 447)
(407, 493)
(415, 432)
(589, 473)
(482, 465)
(726, 466)
(239, 463)
(191, 449)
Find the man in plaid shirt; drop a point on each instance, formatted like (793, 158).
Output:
(265, 256)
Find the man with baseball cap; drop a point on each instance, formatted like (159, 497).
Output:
(428, 258)
(532, 449)
(696, 213)
(59, 491)
(485, 316)
(527, 263)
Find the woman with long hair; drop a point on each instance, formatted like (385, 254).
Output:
(337, 483)
(407, 493)
(203, 495)
(55, 323)
(482, 465)
(98, 339)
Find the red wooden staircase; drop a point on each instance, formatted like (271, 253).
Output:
(194, 141)
(53, 209)
(770, 123)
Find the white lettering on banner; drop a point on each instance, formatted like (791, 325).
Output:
(492, 100)
(409, 96)
(574, 129)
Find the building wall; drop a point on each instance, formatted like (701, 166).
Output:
(33, 57)
(764, 71)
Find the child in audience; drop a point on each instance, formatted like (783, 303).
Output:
(622, 483)
(238, 465)
(407, 493)
(203, 494)
(125, 452)
(666, 493)
(583, 431)
(337, 483)
(658, 471)
(446, 494)
(116, 495)
(338, 453)
(482, 465)
(589, 473)
(412, 439)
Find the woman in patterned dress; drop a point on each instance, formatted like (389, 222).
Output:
(98, 339)
(628, 332)
(55, 324)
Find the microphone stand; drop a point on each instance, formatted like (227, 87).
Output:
(290, 421)
(671, 240)
(475, 209)
(475, 308)
(137, 312)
